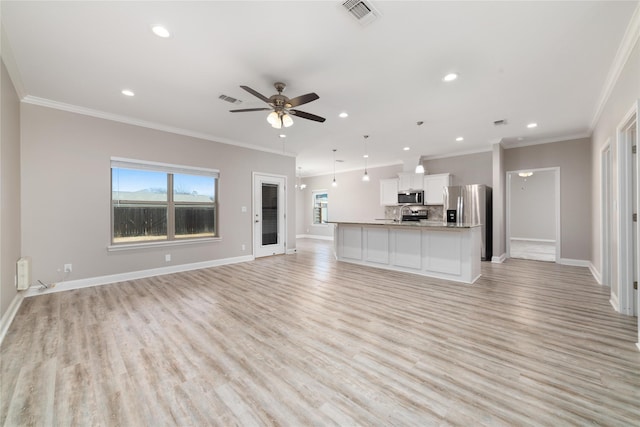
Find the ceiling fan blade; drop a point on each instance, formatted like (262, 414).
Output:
(249, 109)
(303, 99)
(307, 116)
(255, 93)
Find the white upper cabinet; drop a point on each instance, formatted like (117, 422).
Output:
(410, 181)
(389, 192)
(434, 188)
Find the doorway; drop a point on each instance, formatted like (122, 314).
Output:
(269, 207)
(533, 214)
(628, 258)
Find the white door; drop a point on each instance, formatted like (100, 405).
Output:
(268, 215)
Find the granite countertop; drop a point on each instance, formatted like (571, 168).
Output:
(420, 224)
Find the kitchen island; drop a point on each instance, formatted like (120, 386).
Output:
(430, 248)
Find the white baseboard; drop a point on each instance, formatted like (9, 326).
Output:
(574, 262)
(526, 239)
(499, 259)
(638, 345)
(614, 302)
(122, 277)
(313, 236)
(595, 273)
(10, 314)
(292, 251)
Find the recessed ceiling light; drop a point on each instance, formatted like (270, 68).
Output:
(450, 77)
(532, 125)
(459, 139)
(343, 115)
(160, 31)
(127, 92)
(366, 156)
(407, 148)
(282, 135)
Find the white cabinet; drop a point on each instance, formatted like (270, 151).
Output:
(389, 192)
(434, 188)
(410, 181)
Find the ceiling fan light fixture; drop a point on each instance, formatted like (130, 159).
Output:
(273, 119)
(287, 121)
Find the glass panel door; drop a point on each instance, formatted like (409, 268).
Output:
(269, 208)
(269, 214)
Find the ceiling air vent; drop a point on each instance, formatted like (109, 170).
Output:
(500, 122)
(362, 11)
(230, 99)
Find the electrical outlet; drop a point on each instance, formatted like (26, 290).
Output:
(68, 268)
(167, 257)
(244, 209)
(243, 247)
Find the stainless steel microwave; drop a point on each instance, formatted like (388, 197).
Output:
(411, 198)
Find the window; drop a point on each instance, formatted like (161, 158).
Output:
(320, 207)
(157, 202)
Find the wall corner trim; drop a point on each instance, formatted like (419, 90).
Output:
(574, 262)
(133, 275)
(595, 273)
(499, 259)
(614, 303)
(10, 314)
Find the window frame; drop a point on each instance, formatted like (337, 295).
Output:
(170, 170)
(313, 208)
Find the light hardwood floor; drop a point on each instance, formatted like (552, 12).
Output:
(303, 340)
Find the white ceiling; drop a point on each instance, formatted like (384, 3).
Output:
(544, 62)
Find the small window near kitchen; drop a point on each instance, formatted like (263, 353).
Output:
(320, 207)
(160, 202)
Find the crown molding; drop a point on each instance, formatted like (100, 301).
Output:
(43, 102)
(457, 154)
(518, 144)
(629, 40)
(359, 168)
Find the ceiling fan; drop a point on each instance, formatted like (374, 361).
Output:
(282, 108)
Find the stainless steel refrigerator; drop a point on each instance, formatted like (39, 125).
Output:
(471, 204)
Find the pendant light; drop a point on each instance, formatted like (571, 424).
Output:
(420, 167)
(300, 185)
(334, 183)
(365, 177)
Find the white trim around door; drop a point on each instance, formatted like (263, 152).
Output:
(269, 217)
(558, 233)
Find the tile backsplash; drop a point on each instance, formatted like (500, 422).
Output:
(434, 212)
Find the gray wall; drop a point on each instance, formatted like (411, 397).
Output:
(532, 205)
(9, 189)
(66, 192)
(574, 159)
(352, 199)
(466, 169)
(624, 95)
